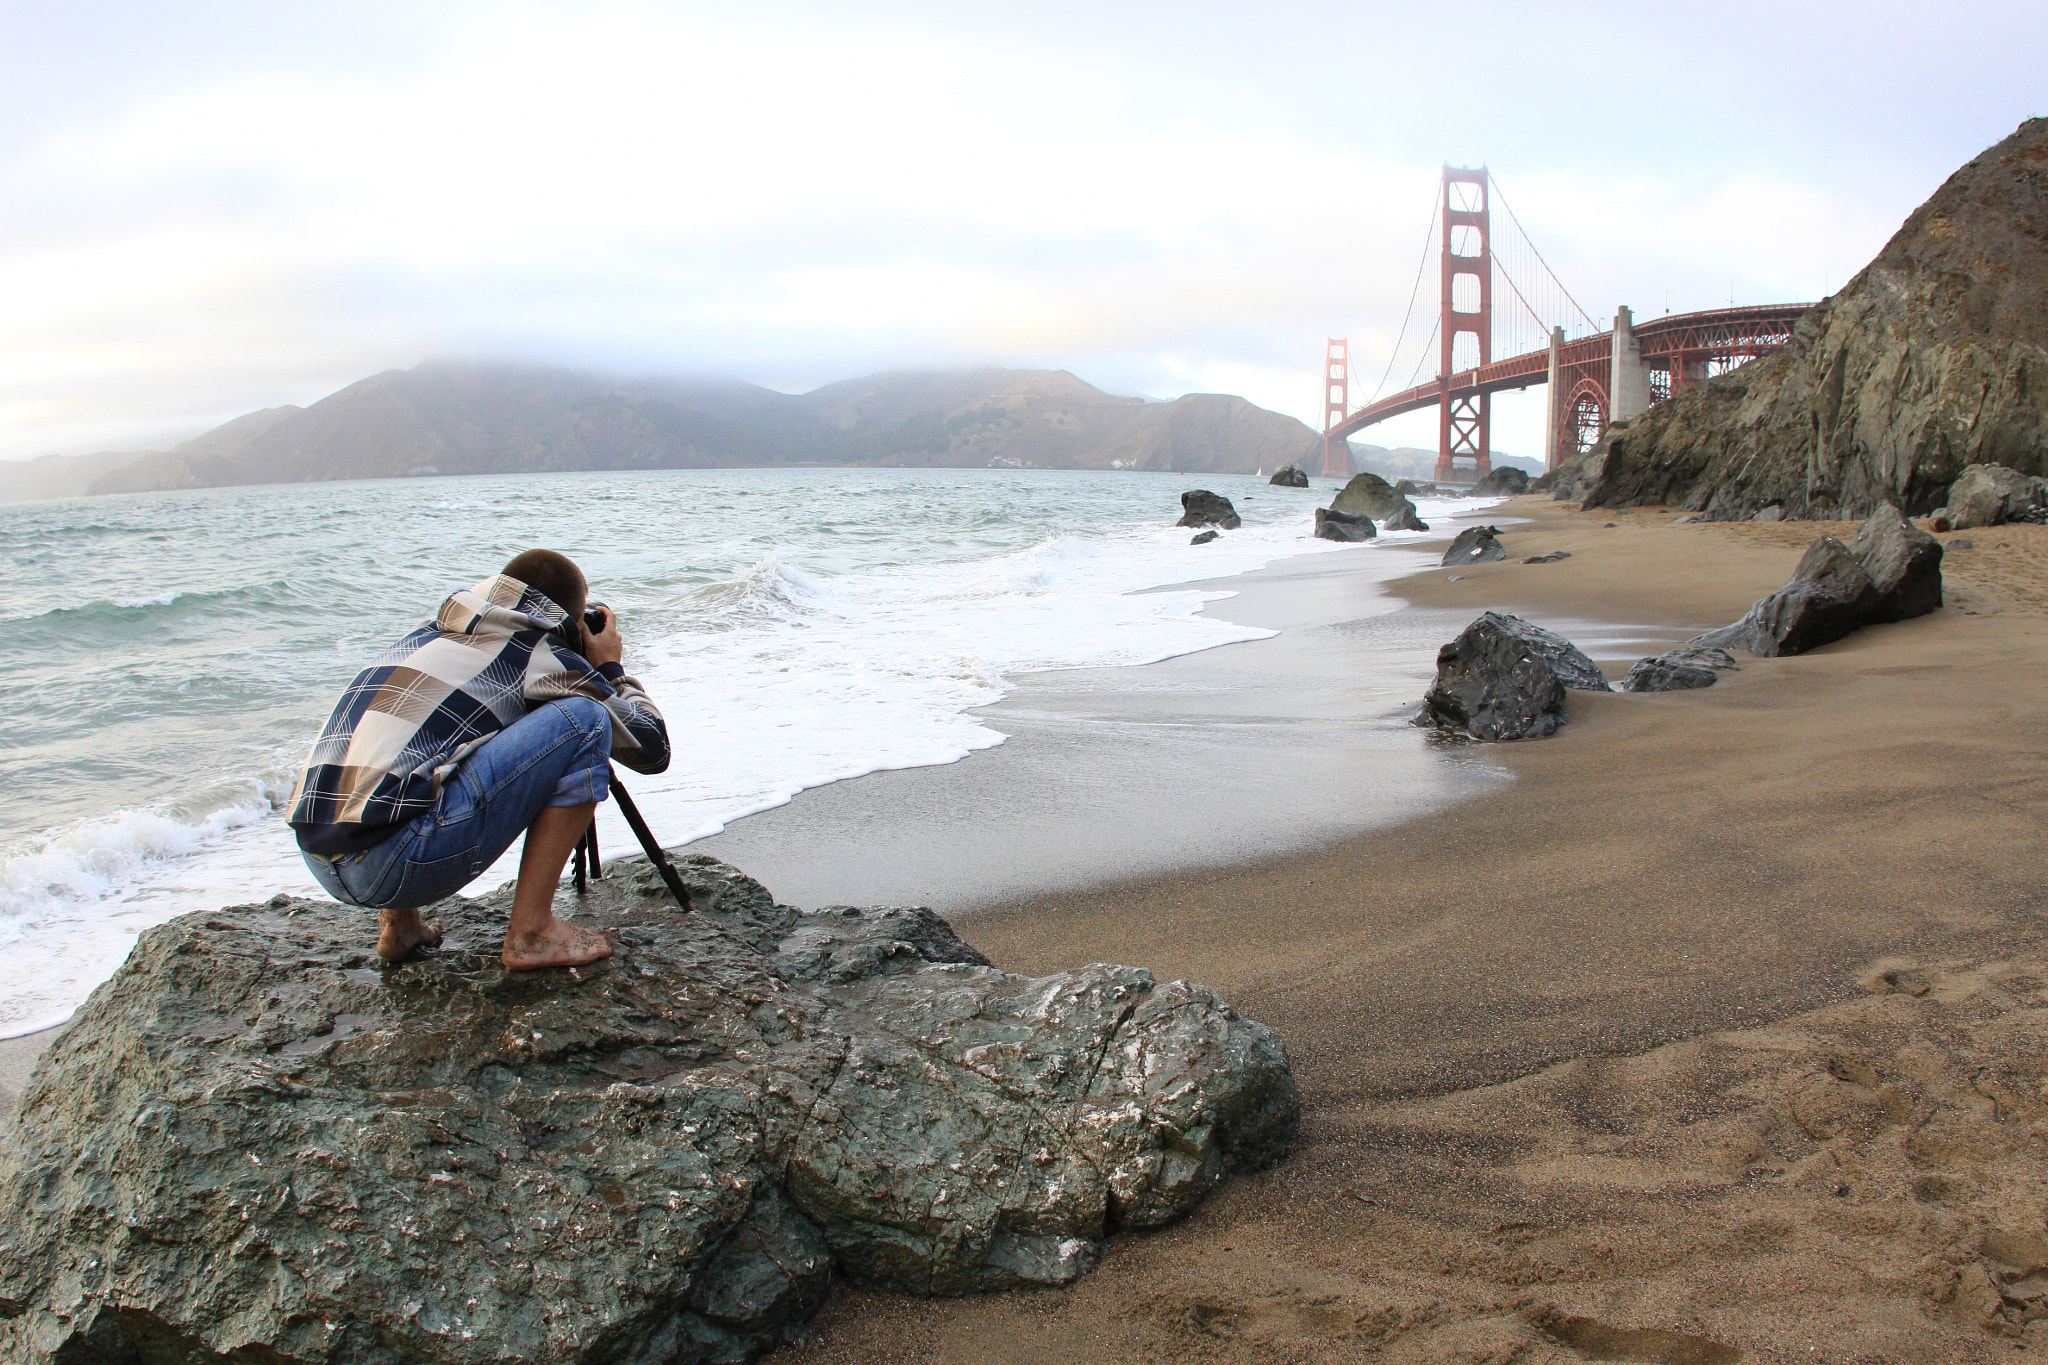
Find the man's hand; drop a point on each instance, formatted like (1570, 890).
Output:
(604, 647)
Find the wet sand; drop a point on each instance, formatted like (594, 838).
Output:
(1718, 1033)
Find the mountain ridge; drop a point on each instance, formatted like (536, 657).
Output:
(449, 417)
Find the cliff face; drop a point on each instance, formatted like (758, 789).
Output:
(441, 418)
(1933, 358)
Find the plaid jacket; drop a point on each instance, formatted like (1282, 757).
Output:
(430, 700)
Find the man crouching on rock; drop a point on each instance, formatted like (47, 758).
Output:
(499, 716)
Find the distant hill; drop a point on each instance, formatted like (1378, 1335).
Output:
(445, 418)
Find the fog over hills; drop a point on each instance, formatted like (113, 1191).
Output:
(449, 418)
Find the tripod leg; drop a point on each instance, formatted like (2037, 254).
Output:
(655, 855)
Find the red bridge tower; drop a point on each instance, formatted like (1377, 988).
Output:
(1462, 430)
(1336, 407)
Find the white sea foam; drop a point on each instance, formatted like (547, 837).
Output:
(774, 678)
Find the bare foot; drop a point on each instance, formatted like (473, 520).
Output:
(556, 944)
(401, 933)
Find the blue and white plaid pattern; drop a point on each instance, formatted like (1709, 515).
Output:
(427, 702)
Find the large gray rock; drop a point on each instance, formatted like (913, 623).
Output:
(1495, 682)
(1829, 596)
(1678, 670)
(1502, 481)
(1930, 360)
(255, 1144)
(1334, 525)
(1200, 507)
(1991, 495)
(1289, 476)
(1403, 518)
(1890, 572)
(1369, 495)
(1474, 545)
(1904, 564)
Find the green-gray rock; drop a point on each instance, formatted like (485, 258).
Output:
(257, 1144)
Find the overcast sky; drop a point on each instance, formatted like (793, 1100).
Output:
(217, 206)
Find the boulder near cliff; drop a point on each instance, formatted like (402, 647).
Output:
(256, 1144)
(1933, 358)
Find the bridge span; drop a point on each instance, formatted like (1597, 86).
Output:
(1594, 379)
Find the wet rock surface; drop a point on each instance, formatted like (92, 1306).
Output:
(1891, 572)
(257, 1144)
(1496, 682)
(1474, 545)
(1289, 476)
(1200, 507)
(1678, 670)
(1204, 537)
(1334, 525)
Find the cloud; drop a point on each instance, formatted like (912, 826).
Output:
(793, 194)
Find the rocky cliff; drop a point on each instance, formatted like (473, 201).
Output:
(1933, 358)
(443, 418)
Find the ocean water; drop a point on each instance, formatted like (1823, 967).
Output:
(172, 655)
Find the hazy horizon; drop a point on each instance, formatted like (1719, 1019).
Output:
(245, 207)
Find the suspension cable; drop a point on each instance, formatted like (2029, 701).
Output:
(1538, 254)
(1420, 268)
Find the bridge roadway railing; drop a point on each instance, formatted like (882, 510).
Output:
(1716, 333)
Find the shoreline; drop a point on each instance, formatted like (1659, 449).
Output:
(1549, 1038)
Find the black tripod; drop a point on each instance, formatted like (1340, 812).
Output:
(585, 855)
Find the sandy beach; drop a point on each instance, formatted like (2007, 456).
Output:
(1716, 1034)
(1714, 1028)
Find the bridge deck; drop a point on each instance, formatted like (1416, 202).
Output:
(1745, 332)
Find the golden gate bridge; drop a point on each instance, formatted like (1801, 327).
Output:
(1596, 377)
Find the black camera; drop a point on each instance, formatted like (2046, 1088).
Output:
(595, 618)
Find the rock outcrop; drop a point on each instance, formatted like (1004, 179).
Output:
(1203, 537)
(1474, 545)
(1200, 507)
(1992, 495)
(1891, 572)
(1335, 525)
(1289, 476)
(255, 1144)
(1678, 670)
(1369, 495)
(1500, 680)
(1932, 359)
(1502, 481)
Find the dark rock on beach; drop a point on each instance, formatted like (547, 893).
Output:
(1288, 476)
(1200, 507)
(1891, 572)
(1502, 481)
(1334, 525)
(1496, 682)
(1678, 670)
(1553, 557)
(1475, 545)
(257, 1144)
(1403, 518)
(1204, 538)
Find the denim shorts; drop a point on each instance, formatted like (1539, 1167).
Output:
(558, 754)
